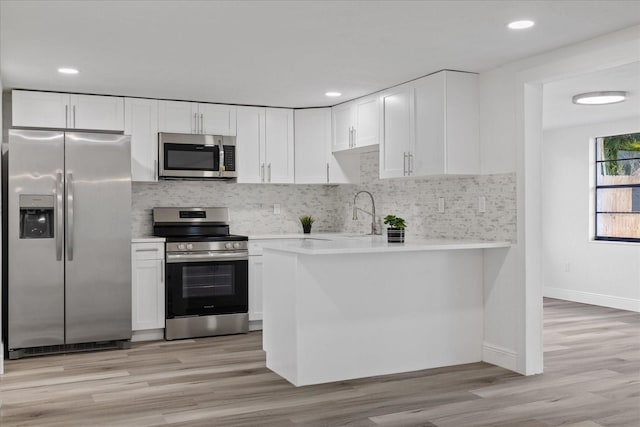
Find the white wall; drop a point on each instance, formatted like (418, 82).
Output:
(575, 267)
(511, 140)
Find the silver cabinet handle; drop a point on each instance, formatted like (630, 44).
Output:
(262, 172)
(70, 201)
(404, 164)
(74, 116)
(350, 137)
(201, 123)
(327, 172)
(355, 136)
(195, 123)
(59, 215)
(269, 168)
(66, 116)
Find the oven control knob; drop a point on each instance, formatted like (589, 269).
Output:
(181, 246)
(236, 245)
(228, 245)
(189, 246)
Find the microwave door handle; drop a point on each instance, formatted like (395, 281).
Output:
(221, 168)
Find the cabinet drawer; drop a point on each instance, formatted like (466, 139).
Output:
(143, 251)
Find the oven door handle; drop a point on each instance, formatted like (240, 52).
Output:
(208, 256)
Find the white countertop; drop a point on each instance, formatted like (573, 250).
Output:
(368, 244)
(317, 235)
(147, 239)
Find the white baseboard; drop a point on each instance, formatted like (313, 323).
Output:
(620, 303)
(499, 356)
(147, 335)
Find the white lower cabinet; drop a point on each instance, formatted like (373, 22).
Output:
(148, 295)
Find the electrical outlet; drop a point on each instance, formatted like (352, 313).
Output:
(441, 204)
(276, 209)
(482, 204)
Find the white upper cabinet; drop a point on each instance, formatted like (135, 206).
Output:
(279, 148)
(430, 127)
(141, 122)
(178, 117)
(397, 132)
(217, 119)
(198, 118)
(250, 144)
(39, 109)
(356, 124)
(314, 161)
(97, 112)
(342, 126)
(63, 110)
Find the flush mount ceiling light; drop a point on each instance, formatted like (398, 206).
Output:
(67, 70)
(333, 94)
(521, 25)
(600, 98)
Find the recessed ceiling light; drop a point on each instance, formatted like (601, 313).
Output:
(333, 94)
(600, 98)
(67, 70)
(521, 25)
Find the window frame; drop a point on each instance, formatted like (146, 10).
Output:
(597, 186)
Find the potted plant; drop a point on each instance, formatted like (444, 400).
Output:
(306, 221)
(395, 231)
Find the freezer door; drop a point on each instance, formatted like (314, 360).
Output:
(35, 239)
(98, 237)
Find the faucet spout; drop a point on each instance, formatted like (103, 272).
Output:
(374, 229)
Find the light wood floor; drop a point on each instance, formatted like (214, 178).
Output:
(592, 378)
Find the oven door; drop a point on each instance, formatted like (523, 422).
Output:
(201, 284)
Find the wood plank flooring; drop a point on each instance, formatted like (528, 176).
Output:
(591, 379)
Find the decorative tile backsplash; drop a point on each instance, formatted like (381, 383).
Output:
(251, 206)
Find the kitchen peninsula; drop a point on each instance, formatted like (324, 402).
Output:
(350, 308)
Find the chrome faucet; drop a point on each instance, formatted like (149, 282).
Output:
(374, 229)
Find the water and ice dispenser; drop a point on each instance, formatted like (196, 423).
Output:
(36, 216)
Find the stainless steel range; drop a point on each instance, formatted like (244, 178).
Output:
(207, 280)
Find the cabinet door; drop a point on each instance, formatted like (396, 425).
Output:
(141, 122)
(367, 122)
(177, 117)
(312, 144)
(255, 288)
(279, 146)
(39, 109)
(462, 123)
(217, 119)
(147, 285)
(250, 141)
(397, 132)
(429, 149)
(97, 112)
(342, 125)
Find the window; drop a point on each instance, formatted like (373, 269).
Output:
(618, 188)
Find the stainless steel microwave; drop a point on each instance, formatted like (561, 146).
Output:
(196, 156)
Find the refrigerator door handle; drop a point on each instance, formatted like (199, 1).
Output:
(59, 215)
(70, 216)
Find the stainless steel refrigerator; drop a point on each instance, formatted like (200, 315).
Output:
(68, 240)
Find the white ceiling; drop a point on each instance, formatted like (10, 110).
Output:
(559, 111)
(278, 53)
